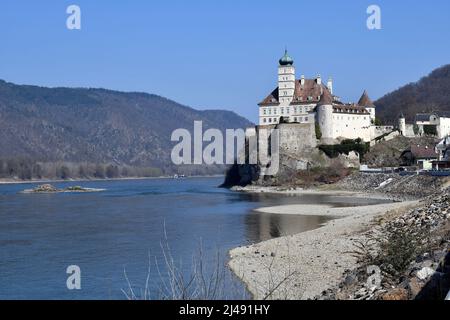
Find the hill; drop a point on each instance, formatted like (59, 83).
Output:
(96, 126)
(431, 93)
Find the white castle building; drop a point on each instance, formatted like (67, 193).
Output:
(312, 101)
(438, 122)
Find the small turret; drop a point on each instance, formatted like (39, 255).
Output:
(402, 125)
(367, 103)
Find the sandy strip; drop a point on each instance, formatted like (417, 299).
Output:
(317, 191)
(304, 265)
(307, 210)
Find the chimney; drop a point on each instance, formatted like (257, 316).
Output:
(330, 85)
(319, 80)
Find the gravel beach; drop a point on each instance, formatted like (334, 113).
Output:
(304, 265)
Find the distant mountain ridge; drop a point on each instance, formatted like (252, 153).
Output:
(431, 93)
(97, 125)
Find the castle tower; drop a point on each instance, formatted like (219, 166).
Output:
(286, 79)
(365, 102)
(325, 116)
(402, 124)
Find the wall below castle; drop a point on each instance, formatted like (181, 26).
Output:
(297, 143)
(409, 131)
(297, 137)
(378, 131)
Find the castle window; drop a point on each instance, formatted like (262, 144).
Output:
(264, 120)
(270, 120)
(282, 110)
(288, 110)
(265, 111)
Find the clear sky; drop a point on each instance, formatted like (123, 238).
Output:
(221, 54)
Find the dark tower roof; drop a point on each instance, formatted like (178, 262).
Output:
(365, 101)
(286, 60)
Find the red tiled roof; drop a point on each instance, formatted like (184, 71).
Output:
(423, 152)
(349, 108)
(326, 98)
(309, 92)
(365, 101)
(272, 99)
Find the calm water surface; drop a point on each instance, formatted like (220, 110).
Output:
(108, 232)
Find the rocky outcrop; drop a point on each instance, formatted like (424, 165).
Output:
(241, 175)
(48, 188)
(426, 275)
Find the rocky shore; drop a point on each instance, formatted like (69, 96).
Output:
(406, 240)
(412, 252)
(393, 186)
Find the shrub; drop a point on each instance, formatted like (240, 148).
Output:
(346, 146)
(430, 130)
(318, 132)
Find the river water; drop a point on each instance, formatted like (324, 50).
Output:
(122, 231)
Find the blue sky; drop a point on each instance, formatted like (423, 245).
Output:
(221, 54)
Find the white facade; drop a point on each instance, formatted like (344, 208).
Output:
(300, 101)
(444, 127)
(440, 122)
(344, 125)
(294, 113)
(286, 84)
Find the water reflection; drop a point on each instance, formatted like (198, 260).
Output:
(265, 226)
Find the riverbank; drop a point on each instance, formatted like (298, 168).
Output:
(310, 264)
(304, 265)
(43, 181)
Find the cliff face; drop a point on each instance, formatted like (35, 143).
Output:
(298, 153)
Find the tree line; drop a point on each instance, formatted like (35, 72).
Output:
(27, 169)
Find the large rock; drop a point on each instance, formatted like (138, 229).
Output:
(425, 273)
